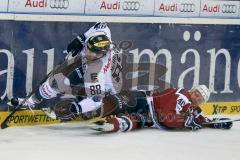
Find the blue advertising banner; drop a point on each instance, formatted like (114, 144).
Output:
(193, 54)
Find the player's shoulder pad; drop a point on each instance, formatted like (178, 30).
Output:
(183, 98)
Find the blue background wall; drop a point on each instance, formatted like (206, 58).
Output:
(16, 36)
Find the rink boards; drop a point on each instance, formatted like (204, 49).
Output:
(195, 51)
(37, 117)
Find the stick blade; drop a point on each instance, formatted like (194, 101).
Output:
(4, 125)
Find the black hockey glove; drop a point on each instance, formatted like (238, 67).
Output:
(76, 45)
(192, 123)
(222, 125)
(67, 110)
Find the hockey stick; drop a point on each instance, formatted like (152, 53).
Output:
(18, 105)
(222, 121)
(7, 119)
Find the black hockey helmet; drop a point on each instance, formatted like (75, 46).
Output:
(99, 44)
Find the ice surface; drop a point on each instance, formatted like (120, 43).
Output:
(71, 141)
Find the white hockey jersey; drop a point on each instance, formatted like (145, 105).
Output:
(97, 74)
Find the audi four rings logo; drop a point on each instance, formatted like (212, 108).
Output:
(131, 6)
(229, 8)
(187, 7)
(59, 4)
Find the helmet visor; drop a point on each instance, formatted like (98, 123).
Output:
(99, 44)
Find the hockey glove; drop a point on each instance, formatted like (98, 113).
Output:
(123, 123)
(103, 126)
(76, 45)
(192, 123)
(113, 124)
(67, 110)
(222, 125)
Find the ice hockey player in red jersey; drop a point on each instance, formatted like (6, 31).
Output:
(174, 108)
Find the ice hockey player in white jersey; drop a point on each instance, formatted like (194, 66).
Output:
(86, 75)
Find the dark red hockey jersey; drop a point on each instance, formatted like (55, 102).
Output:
(172, 105)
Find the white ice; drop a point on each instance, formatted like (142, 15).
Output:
(74, 141)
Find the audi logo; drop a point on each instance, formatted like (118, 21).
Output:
(131, 6)
(187, 7)
(59, 4)
(229, 8)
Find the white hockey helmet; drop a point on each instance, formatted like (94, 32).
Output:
(204, 91)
